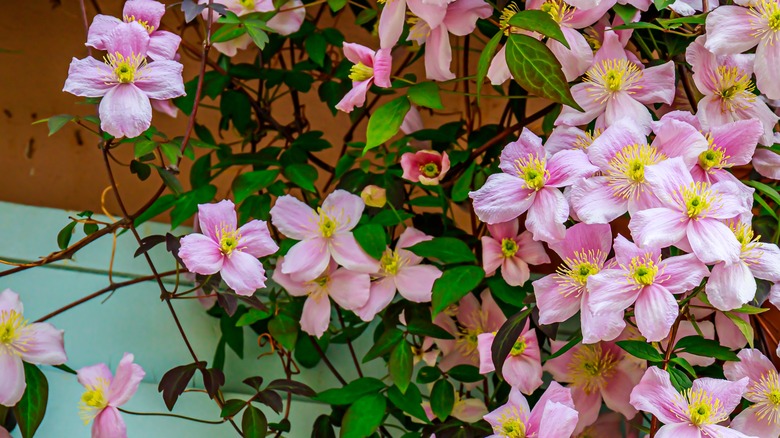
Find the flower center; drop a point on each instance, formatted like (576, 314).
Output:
(711, 158)
(248, 4)
(611, 76)
(745, 236)
(508, 247)
(591, 367)
(533, 171)
(557, 9)
(361, 72)
(696, 199)
(328, 225)
(626, 173)
(228, 239)
(390, 262)
(467, 340)
(431, 170)
(734, 84)
(703, 409)
(519, 347)
(766, 18)
(574, 272)
(643, 270)
(125, 68)
(511, 424)
(11, 323)
(93, 400)
(765, 393)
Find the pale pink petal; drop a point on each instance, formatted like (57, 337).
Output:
(462, 15)
(730, 286)
(347, 253)
(256, 239)
(438, 55)
(712, 241)
(610, 291)
(624, 105)
(667, 178)
(243, 273)
(605, 326)
(626, 250)
(294, 218)
(101, 26)
(12, 384)
(655, 312)
(614, 139)
(128, 376)
(568, 166)
(161, 80)
(727, 392)
(523, 372)
(348, 289)
(611, 47)
(484, 348)
(415, 283)
(493, 316)
(307, 259)
(125, 111)
(381, 295)
(530, 250)
(547, 215)
(575, 60)
(43, 344)
(504, 230)
(749, 423)
(558, 421)
(147, 11)
(674, 138)
(356, 97)
(729, 335)
(296, 288)
(502, 198)
(289, 18)
(88, 77)
(391, 23)
(4, 433)
(681, 273)
(657, 85)
(431, 12)
(166, 107)
(593, 108)
(730, 30)
(316, 315)
(657, 227)
(94, 375)
(109, 424)
(200, 254)
(738, 140)
(231, 48)
(410, 237)
(766, 262)
(383, 68)
(356, 53)
(587, 405)
(766, 66)
(163, 45)
(127, 39)
(346, 208)
(515, 271)
(594, 201)
(656, 395)
(470, 410)
(492, 257)
(564, 137)
(553, 305)
(214, 218)
(529, 144)
(559, 367)
(498, 72)
(752, 364)
(767, 163)
(9, 301)
(679, 430)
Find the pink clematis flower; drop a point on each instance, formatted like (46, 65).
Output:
(692, 210)
(289, 18)
(732, 285)
(162, 44)
(727, 88)
(570, 137)
(617, 86)
(348, 289)
(20, 341)
(522, 368)
(561, 295)
(322, 234)
(595, 373)
(401, 270)
(767, 163)
(530, 182)
(512, 252)
(642, 277)
(427, 167)
(736, 29)
(223, 247)
(696, 412)
(761, 419)
(125, 81)
(553, 416)
(105, 393)
(623, 155)
(394, 15)
(370, 68)
(459, 19)
(474, 319)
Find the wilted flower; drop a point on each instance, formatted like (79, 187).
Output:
(374, 196)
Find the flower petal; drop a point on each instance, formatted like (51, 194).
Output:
(727, 392)
(289, 18)
(9, 301)
(87, 78)
(595, 202)
(657, 227)
(503, 198)
(12, 384)
(126, 381)
(307, 259)
(656, 395)
(256, 239)
(315, 318)
(214, 218)
(345, 208)
(294, 218)
(101, 26)
(125, 111)
(200, 254)
(655, 312)
(415, 283)
(127, 39)
(347, 253)
(380, 296)
(161, 80)
(348, 289)
(547, 215)
(43, 344)
(243, 273)
(682, 273)
(609, 291)
(712, 241)
(730, 30)
(109, 424)
(730, 286)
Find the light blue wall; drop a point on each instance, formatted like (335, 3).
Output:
(134, 319)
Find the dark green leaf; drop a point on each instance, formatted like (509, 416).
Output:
(284, 329)
(170, 180)
(485, 58)
(385, 344)
(765, 189)
(63, 237)
(336, 5)
(662, 4)
(540, 21)
(322, 427)
(388, 218)
(446, 249)
(364, 417)
(144, 147)
(409, 402)
(422, 327)
(200, 174)
(682, 363)
(625, 12)
(454, 284)
(171, 152)
(57, 122)
(705, 347)
(302, 175)
(249, 183)
(641, 349)
(680, 381)
(351, 392)
(428, 374)
(227, 32)
(442, 399)
(90, 228)
(425, 94)
(30, 410)
(187, 204)
(460, 191)
(292, 386)
(465, 373)
(400, 365)
(253, 316)
(255, 30)
(506, 337)
(513, 295)
(232, 407)
(372, 239)
(316, 46)
(537, 70)
(159, 206)
(385, 122)
(253, 423)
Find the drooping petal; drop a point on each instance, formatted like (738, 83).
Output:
(109, 424)
(547, 215)
(294, 218)
(730, 286)
(307, 259)
(256, 239)
(462, 15)
(94, 375)
(43, 344)
(126, 381)
(681, 273)
(161, 80)
(656, 311)
(201, 254)
(498, 72)
(125, 111)
(356, 97)
(348, 289)
(712, 241)
(492, 257)
(347, 253)
(316, 315)
(730, 30)
(415, 283)
(381, 295)
(656, 395)
(729, 335)
(484, 348)
(163, 45)
(344, 207)
(523, 373)
(503, 198)
(438, 55)
(12, 384)
(243, 273)
(88, 78)
(165, 106)
(515, 271)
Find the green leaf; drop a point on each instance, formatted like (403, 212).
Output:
(63, 237)
(661, 4)
(56, 123)
(385, 122)
(641, 349)
(249, 183)
(539, 21)
(389, 218)
(400, 365)
(428, 374)
(90, 228)
(749, 310)
(537, 70)
(409, 402)
(255, 30)
(682, 363)
(442, 399)
(187, 204)
(232, 407)
(465, 373)
(31, 408)
(625, 12)
(284, 329)
(316, 47)
(445, 249)
(365, 16)
(170, 180)
(425, 94)
(385, 344)
(506, 337)
(743, 326)
(372, 238)
(252, 316)
(253, 423)
(766, 206)
(485, 58)
(351, 392)
(336, 5)
(344, 164)
(364, 417)
(513, 295)
(422, 327)
(680, 381)
(765, 189)
(460, 191)
(302, 175)
(228, 32)
(454, 284)
(144, 147)
(322, 428)
(699, 346)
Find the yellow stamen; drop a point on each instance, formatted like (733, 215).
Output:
(765, 20)
(626, 173)
(734, 87)
(696, 199)
(714, 157)
(572, 275)
(145, 24)
(519, 347)
(390, 262)
(766, 395)
(591, 367)
(11, 325)
(509, 11)
(361, 72)
(508, 247)
(328, 224)
(431, 170)
(643, 270)
(248, 4)
(582, 142)
(702, 408)
(93, 400)
(125, 69)
(510, 424)
(612, 76)
(558, 10)
(533, 170)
